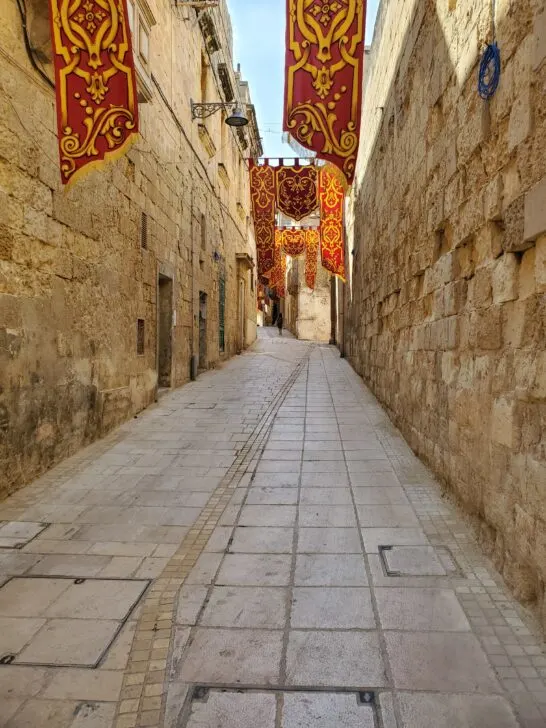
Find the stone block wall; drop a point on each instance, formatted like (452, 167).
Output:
(445, 314)
(74, 275)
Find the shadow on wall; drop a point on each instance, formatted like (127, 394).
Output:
(446, 321)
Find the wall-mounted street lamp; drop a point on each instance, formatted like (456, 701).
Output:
(236, 118)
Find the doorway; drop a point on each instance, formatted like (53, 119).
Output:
(164, 337)
(242, 314)
(274, 313)
(202, 330)
(222, 313)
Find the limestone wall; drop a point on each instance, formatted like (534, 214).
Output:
(74, 277)
(306, 311)
(446, 309)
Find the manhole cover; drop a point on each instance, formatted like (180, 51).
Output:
(194, 405)
(249, 708)
(417, 561)
(61, 621)
(16, 534)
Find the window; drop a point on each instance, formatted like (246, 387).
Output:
(203, 232)
(144, 231)
(140, 337)
(141, 21)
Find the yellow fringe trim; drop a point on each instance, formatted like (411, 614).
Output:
(109, 157)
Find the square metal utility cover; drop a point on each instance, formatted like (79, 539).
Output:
(417, 561)
(16, 534)
(61, 621)
(249, 708)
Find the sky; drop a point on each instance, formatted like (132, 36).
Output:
(258, 30)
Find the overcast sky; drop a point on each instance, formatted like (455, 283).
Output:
(258, 28)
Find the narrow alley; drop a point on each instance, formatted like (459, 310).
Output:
(297, 567)
(273, 364)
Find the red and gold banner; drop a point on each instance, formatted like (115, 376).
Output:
(262, 194)
(332, 198)
(312, 240)
(297, 190)
(323, 77)
(291, 240)
(277, 279)
(277, 274)
(95, 83)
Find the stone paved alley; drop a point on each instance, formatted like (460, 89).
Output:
(259, 550)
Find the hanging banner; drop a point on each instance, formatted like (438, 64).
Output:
(95, 83)
(292, 241)
(277, 275)
(297, 190)
(312, 239)
(332, 198)
(262, 194)
(323, 78)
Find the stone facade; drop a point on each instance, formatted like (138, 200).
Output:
(110, 288)
(306, 311)
(445, 313)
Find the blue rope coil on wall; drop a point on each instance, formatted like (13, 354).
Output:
(490, 70)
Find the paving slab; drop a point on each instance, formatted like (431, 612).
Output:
(332, 608)
(69, 642)
(325, 710)
(255, 570)
(262, 540)
(334, 658)
(234, 710)
(456, 711)
(330, 570)
(329, 541)
(446, 662)
(227, 656)
(420, 609)
(250, 607)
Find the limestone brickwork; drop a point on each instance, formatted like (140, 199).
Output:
(149, 239)
(445, 312)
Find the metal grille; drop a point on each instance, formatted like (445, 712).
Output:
(144, 231)
(221, 313)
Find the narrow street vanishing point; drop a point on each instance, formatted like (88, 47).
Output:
(273, 364)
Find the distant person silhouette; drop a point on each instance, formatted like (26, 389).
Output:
(279, 323)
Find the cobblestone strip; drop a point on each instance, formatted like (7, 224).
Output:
(143, 694)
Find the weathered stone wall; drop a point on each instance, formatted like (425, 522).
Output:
(306, 311)
(446, 311)
(74, 278)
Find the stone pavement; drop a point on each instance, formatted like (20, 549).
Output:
(259, 550)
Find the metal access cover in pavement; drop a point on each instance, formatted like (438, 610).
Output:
(63, 621)
(417, 561)
(16, 534)
(257, 708)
